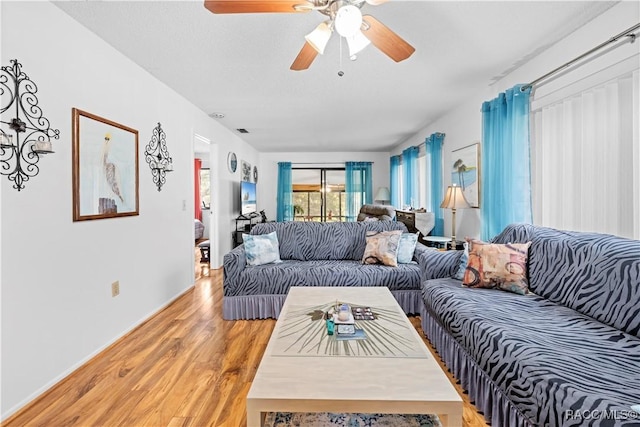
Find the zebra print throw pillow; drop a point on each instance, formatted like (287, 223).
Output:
(382, 247)
(497, 266)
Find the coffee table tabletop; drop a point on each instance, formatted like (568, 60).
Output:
(392, 371)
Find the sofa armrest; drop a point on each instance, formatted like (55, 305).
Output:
(233, 264)
(435, 264)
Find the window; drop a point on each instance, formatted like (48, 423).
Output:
(205, 190)
(423, 185)
(583, 155)
(400, 185)
(334, 196)
(319, 195)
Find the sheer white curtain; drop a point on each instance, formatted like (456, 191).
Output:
(585, 154)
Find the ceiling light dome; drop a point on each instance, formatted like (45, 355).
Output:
(348, 20)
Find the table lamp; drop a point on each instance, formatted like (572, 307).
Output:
(383, 195)
(454, 199)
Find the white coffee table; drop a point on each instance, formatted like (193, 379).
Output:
(390, 373)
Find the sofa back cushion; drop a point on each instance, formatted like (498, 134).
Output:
(515, 233)
(305, 241)
(594, 274)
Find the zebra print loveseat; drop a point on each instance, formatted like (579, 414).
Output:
(567, 354)
(315, 254)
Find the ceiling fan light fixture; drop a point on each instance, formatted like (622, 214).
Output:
(319, 37)
(348, 21)
(357, 43)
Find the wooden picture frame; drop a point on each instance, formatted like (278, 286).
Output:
(465, 172)
(105, 168)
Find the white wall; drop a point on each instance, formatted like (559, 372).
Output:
(205, 159)
(463, 125)
(268, 171)
(57, 309)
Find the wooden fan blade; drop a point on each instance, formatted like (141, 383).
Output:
(386, 40)
(255, 6)
(305, 58)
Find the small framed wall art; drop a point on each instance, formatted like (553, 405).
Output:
(246, 171)
(465, 172)
(232, 162)
(105, 168)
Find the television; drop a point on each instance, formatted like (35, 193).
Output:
(247, 198)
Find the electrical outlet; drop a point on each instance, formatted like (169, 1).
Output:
(115, 288)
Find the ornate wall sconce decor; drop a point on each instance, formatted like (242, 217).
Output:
(157, 156)
(29, 132)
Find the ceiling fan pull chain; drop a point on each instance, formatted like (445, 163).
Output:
(340, 72)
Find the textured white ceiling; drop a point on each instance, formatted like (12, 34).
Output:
(239, 64)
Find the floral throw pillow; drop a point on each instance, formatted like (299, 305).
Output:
(382, 247)
(497, 266)
(261, 249)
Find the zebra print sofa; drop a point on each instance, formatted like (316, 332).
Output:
(567, 354)
(315, 254)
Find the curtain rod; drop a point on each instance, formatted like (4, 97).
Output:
(321, 163)
(442, 134)
(626, 33)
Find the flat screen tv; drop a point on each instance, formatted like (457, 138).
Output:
(247, 197)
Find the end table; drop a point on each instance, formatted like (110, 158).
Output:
(442, 242)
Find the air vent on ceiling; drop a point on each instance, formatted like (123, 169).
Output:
(217, 115)
(242, 130)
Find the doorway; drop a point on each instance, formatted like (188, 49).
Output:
(207, 179)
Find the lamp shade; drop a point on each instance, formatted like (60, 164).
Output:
(454, 198)
(383, 194)
(357, 43)
(319, 37)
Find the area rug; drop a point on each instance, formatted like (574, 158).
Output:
(326, 419)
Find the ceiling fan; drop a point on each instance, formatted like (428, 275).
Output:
(344, 16)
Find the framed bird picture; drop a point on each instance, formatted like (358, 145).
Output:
(465, 172)
(105, 168)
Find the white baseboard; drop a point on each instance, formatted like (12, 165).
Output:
(6, 414)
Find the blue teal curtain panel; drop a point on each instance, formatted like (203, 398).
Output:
(506, 166)
(410, 177)
(434, 151)
(285, 193)
(358, 186)
(396, 197)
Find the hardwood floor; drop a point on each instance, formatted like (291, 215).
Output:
(183, 367)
